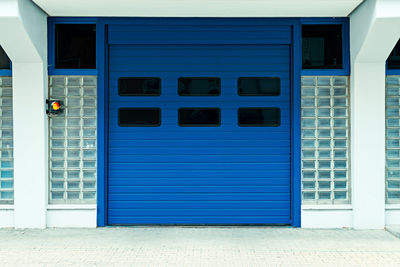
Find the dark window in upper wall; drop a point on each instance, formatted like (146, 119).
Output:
(251, 86)
(139, 117)
(199, 86)
(139, 86)
(5, 62)
(270, 117)
(322, 46)
(393, 61)
(75, 46)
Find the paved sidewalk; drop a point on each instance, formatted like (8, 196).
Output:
(185, 246)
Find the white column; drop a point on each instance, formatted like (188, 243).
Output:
(23, 35)
(368, 145)
(374, 31)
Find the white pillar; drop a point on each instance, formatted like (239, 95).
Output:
(23, 35)
(374, 31)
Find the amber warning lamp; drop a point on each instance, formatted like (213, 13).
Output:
(54, 107)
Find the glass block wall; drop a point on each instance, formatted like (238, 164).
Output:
(393, 139)
(73, 140)
(6, 142)
(325, 140)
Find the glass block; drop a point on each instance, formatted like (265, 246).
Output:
(6, 184)
(89, 112)
(74, 81)
(323, 81)
(75, 122)
(324, 91)
(308, 133)
(340, 195)
(74, 132)
(392, 101)
(340, 174)
(308, 195)
(89, 132)
(89, 185)
(393, 143)
(57, 143)
(340, 81)
(340, 164)
(340, 153)
(57, 163)
(74, 112)
(324, 122)
(324, 164)
(89, 174)
(89, 153)
(57, 185)
(73, 143)
(58, 81)
(89, 164)
(89, 91)
(305, 81)
(73, 195)
(73, 174)
(57, 92)
(6, 143)
(73, 153)
(324, 143)
(308, 102)
(340, 143)
(6, 92)
(308, 164)
(7, 133)
(308, 154)
(57, 154)
(324, 174)
(89, 195)
(308, 112)
(89, 81)
(6, 113)
(340, 102)
(6, 163)
(6, 82)
(392, 112)
(6, 123)
(393, 184)
(391, 80)
(340, 184)
(393, 122)
(308, 185)
(308, 143)
(73, 91)
(339, 92)
(57, 174)
(73, 163)
(89, 143)
(339, 123)
(57, 122)
(393, 194)
(57, 195)
(324, 185)
(339, 133)
(308, 91)
(324, 133)
(324, 112)
(393, 163)
(324, 102)
(89, 122)
(73, 102)
(7, 195)
(309, 174)
(87, 102)
(57, 133)
(73, 185)
(308, 123)
(392, 91)
(324, 154)
(393, 174)
(393, 153)
(324, 195)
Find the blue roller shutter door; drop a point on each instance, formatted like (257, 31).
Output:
(223, 173)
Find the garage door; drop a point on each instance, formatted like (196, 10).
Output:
(199, 133)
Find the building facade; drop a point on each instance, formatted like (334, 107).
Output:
(162, 113)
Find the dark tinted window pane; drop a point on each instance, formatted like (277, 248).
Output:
(259, 116)
(394, 58)
(4, 60)
(322, 47)
(139, 117)
(199, 86)
(199, 116)
(75, 46)
(139, 86)
(259, 86)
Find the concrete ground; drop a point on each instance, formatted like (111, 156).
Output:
(209, 246)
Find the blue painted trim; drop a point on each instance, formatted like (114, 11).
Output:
(392, 71)
(51, 22)
(345, 42)
(102, 123)
(296, 126)
(5, 73)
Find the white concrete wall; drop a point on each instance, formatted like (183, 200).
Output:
(72, 216)
(326, 216)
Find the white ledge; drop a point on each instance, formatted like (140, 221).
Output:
(327, 207)
(7, 207)
(72, 207)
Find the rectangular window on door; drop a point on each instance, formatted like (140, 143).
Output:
(269, 117)
(139, 117)
(199, 86)
(253, 86)
(139, 86)
(199, 117)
